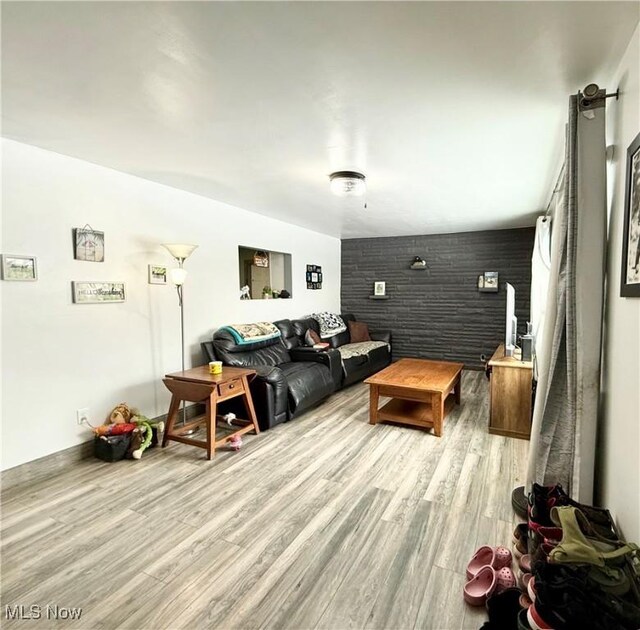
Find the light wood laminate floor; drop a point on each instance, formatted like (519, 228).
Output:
(324, 522)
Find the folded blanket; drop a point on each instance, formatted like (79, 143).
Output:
(360, 348)
(252, 333)
(330, 324)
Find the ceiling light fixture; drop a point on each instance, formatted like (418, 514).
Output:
(347, 183)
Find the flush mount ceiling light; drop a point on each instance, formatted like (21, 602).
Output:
(347, 183)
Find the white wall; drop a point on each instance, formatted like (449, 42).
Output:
(58, 357)
(618, 481)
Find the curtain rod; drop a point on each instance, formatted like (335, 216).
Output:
(592, 90)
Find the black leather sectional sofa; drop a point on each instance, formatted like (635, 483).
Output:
(292, 377)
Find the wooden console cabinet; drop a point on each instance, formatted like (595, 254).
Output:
(511, 386)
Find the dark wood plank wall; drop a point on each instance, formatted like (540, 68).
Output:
(439, 313)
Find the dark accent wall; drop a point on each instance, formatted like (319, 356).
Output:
(439, 313)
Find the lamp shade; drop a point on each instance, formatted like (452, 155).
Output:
(347, 183)
(178, 276)
(179, 251)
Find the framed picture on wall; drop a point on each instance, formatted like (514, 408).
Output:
(88, 244)
(20, 268)
(630, 274)
(314, 277)
(157, 274)
(488, 282)
(379, 288)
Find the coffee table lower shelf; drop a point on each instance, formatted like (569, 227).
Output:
(417, 414)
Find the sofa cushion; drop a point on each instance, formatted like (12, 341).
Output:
(362, 359)
(289, 335)
(358, 331)
(308, 383)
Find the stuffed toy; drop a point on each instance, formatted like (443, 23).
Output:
(140, 440)
(124, 419)
(121, 414)
(235, 442)
(228, 418)
(146, 427)
(115, 429)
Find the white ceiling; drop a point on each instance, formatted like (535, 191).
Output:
(453, 110)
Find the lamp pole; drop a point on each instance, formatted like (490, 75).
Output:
(180, 252)
(180, 290)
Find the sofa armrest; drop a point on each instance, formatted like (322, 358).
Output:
(380, 335)
(268, 374)
(269, 391)
(329, 357)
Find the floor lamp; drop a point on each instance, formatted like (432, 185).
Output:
(180, 251)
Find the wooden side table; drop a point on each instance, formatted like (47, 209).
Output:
(510, 395)
(198, 385)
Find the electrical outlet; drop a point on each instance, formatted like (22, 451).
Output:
(82, 415)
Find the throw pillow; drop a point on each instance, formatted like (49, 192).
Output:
(311, 337)
(358, 332)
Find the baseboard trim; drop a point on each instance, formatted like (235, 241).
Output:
(43, 467)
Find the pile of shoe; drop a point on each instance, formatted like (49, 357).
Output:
(573, 572)
(583, 575)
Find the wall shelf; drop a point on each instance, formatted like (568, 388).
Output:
(378, 297)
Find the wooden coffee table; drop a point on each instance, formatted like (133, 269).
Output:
(422, 392)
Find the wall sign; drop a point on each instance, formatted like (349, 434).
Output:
(97, 292)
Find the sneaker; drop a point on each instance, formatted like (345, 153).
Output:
(523, 622)
(519, 501)
(543, 498)
(567, 599)
(503, 610)
(520, 538)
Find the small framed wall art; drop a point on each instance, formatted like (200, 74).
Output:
(379, 288)
(157, 274)
(88, 244)
(97, 292)
(488, 282)
(20, 268)
(314, 277)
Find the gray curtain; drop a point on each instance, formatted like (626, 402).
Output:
(562, 448)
